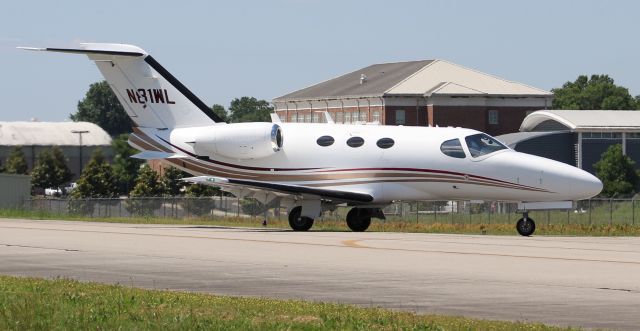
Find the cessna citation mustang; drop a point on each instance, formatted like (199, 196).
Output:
(315, 167)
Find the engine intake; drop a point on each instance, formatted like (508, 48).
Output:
(240, 141)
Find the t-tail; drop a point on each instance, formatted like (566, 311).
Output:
(150, 95)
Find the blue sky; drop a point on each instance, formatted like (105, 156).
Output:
(227, 49)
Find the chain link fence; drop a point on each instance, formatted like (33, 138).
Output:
(594, 211)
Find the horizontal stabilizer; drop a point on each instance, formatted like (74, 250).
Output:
(153, 155)
(103, 49)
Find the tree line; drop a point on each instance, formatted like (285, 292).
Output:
(124, 176)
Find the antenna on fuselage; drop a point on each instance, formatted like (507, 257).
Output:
(275, 118)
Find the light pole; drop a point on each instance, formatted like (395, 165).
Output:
(79, 133)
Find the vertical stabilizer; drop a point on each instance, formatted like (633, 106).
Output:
(150, 95)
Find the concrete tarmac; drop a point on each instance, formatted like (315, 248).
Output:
(577, 281)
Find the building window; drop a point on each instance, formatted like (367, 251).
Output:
(400, 117)
(493, 116)
(355, 142)
(375, 117)
(294, 118)
(602, 135)
(316, 118)
(347, 118)
(633, 135)
(307, 118)
(363, 117)
(339, 118)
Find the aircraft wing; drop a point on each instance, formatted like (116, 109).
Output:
(237, 186)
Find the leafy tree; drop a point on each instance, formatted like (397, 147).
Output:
(101, 106)
(254, 207)
(200, 190)
(61, 163)
(172, 181)
(16, 162)
(220, 111)
(147, 183)
(201, 202)
(43, 174)
(143, 199)
(617, 172)
(97, 179)
(249, 109)
(51, 169)
(125, 168)
(596, 92)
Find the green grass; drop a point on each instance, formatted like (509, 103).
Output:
(409, 225)
(38, 304)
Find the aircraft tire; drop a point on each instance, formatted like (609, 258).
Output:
(358, 220)
(298, 222)
(526, 228)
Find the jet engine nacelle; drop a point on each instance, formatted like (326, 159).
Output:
(240, 141)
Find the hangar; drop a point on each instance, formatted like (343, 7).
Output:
(428, 92)
(77, 140)
(577, 137)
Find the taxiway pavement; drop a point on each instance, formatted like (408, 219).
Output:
(578, 281)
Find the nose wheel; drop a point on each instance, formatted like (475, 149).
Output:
(526, 226)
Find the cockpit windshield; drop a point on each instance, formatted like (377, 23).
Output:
(483, 144)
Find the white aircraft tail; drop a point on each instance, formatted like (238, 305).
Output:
(150, 95)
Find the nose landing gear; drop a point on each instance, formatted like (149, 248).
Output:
(526, 226)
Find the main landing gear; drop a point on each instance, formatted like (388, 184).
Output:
(526, 226)
(358, 219)
(299, 222)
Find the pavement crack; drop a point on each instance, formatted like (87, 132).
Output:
(616, 289)
(40, 247)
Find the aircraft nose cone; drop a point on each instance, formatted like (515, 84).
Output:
(585, 185)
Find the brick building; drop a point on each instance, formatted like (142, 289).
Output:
(429, 92)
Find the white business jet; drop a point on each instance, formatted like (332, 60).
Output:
(315, 167)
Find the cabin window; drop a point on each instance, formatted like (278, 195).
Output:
(385, 143)
(400, 117)
(493, 116)
(453, 148)
(355, 142)
(325, 141)
(483, 144)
